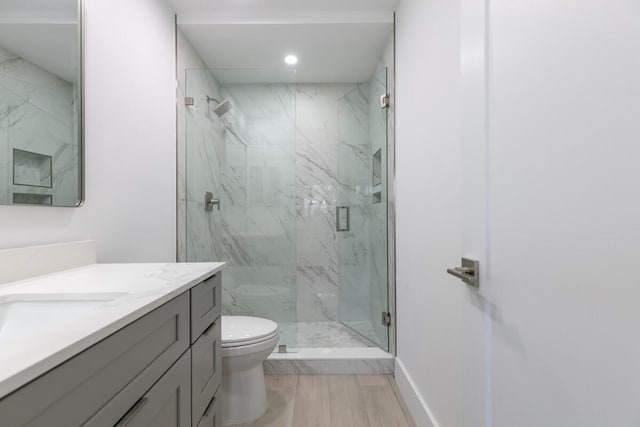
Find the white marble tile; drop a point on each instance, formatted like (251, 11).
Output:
(353, 116)
(316, 236)
(317, 111)
(355, 294)
(262, 291)
(319, 335)
(203, 238)
(317, 142)
(264, 112)
(316, 172)
(279, 175)
(204, 158)
(317, 294)
(258, 235)
(355, 172)
(354, 245)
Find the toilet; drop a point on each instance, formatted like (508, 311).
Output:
(246, 343)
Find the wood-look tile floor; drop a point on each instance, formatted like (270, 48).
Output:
(333, 401)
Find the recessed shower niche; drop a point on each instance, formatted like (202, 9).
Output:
(32, 169)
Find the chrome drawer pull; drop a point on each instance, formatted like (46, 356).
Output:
(208, 330)
(209, 408)
(132, 412)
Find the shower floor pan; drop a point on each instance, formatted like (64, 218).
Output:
(326, 348)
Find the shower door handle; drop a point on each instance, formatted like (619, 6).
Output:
(343, 218)
(210, 202)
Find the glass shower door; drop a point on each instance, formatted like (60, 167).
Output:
(361, 215)
(240, 190)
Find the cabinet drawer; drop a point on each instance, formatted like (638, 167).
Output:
(206, 370)
(74, 391)
(206, 305)
(211, 417)
(167, 403)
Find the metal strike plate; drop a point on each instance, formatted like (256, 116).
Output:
(469, 273)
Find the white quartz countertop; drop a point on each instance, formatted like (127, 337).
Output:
(115, 295)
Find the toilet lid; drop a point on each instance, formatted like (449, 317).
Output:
(245, 329)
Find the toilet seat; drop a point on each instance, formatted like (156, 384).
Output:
(239, 331)
(249, 342)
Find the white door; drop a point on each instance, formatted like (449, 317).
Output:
(551, 209)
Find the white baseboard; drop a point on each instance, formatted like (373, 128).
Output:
(416, 404)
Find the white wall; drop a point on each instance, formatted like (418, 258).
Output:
(130, 141)
(130, 129)
(428, 206)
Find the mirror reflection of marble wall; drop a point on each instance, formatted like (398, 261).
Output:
(40, 102)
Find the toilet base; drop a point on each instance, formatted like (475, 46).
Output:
(244, 395)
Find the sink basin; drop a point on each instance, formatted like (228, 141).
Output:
(24, 315)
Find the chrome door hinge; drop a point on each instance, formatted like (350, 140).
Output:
(384, 101)
(188, 101)
(386, 319)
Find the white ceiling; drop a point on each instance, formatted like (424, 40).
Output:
(43, 32)
(52, 47)
(38, 11)
(264, 9)
(335, 40)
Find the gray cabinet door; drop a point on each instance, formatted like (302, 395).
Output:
(168, 403)
(206, 369)
(206, 305)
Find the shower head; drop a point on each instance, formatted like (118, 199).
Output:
(222, 108)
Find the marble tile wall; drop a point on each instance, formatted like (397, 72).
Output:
(319, 189)
(259, 230)
(246, 159)
(355, 176)
(37, 115)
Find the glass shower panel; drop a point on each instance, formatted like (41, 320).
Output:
(240, 147)
(362, 214)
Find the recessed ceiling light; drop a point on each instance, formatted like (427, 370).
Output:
(291, 59)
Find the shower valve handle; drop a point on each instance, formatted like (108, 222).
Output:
(210, 202)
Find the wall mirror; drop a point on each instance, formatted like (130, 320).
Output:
(41, 102)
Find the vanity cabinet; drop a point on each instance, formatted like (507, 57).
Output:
(153, 372)
(206, 355)
(166, 404)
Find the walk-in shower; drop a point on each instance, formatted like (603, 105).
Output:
(301, 172)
